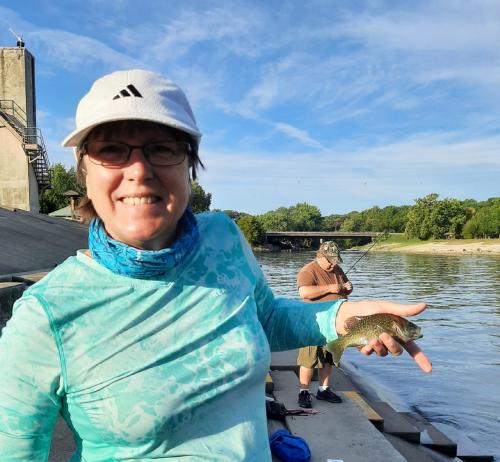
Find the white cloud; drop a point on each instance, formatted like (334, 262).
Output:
(338, 181)
(298, 134)
(73, 51)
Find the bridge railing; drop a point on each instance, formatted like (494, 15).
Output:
(323, 234)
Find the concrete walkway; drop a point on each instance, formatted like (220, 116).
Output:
(338, 431)
(360, 429)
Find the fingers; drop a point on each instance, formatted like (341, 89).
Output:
(418, 355)
(401, 309)
(382, 346)
(385, 344)
(392, 345)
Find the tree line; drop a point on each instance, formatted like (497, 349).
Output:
(428, 218)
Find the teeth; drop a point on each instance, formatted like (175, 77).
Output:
(138, 200)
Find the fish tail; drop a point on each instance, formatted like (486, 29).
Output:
(336, 348)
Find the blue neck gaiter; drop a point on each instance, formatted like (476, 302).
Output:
(128, 261)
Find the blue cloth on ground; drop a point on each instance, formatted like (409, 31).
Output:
(288, 447)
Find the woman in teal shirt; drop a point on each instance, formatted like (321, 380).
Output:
(153, 344)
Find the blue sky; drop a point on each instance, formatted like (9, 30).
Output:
(344, 105)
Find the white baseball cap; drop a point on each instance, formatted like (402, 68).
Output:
(133, 95)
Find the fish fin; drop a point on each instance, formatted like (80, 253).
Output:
(351, 322)
(336, 348)
(383, 329)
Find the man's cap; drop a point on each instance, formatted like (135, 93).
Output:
(133, 95)
(330, 250)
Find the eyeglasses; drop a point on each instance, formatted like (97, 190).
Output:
(332, 260)
(115, 154)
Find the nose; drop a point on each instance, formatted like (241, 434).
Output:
(138, 167)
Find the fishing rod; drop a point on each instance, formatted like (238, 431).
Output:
(369, 248)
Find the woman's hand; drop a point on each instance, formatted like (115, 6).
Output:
(384, 344)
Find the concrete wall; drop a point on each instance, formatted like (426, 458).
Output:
(11, 289)
(33, 195)
(17, 80)
(18, 186)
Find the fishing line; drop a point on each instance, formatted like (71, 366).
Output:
(356, 262)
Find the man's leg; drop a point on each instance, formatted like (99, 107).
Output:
(325, 393)
(305, 377)
(324, 375)
(307, 360)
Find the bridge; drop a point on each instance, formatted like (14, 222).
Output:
(280, 237)
(321, 234)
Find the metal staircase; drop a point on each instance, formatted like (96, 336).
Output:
(32, 140)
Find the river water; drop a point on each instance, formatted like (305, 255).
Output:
(461, 330)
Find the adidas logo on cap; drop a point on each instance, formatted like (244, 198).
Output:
(124, 93)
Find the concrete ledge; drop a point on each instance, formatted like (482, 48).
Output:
(284, 360)
(416, 453)
(467, 450)
(374, 417)
(396, 423)
(29, 278)
(431, 437)
(9, 293)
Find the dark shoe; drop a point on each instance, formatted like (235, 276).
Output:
(305, 399)
(328, 395)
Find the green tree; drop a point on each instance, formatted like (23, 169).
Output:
(397, 221)
(419, 221)
(62, 180)
(252, 229)
(304, 217)
(430, 217)
(275, 220)
(485, 222)
(200, 200)
(447, 216)
(332, 222)
(352, 222)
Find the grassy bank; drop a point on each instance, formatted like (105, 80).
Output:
(398, 243)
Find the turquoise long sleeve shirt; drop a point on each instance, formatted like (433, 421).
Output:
(168, 368)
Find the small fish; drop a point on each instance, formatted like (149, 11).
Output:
(361, 329)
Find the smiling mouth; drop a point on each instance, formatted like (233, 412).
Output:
(140, 200)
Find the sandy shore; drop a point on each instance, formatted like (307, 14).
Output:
(452, 247)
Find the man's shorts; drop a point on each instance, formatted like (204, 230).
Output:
(314, 356)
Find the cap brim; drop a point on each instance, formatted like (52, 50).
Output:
(338, 258)
(75, 138)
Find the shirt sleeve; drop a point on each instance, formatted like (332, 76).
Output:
(289, 323)
(31, 384)
(305, 279)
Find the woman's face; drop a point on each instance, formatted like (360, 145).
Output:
(140, 204)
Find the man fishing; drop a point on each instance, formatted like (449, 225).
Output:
(319, 281)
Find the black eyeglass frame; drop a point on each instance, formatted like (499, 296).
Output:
(131, 147)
